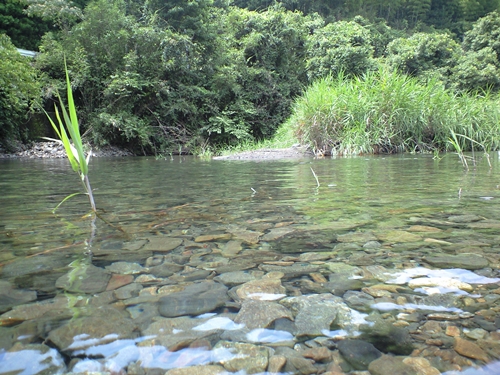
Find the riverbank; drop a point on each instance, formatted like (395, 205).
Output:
(55, 150)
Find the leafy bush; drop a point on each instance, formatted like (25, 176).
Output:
(423, 53)
(479, 66)
(19, 90)
(340, 46)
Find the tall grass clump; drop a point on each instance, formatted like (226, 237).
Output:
(73, 144)
(385, 112)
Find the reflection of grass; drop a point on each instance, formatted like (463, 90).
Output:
(73, 144)
(458, 141)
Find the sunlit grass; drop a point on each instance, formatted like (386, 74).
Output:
(388, 112)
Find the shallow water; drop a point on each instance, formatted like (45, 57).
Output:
(260, 218)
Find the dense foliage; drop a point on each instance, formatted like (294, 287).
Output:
(19, 88)
(156, 76)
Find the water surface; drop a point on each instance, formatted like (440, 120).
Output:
(209, 218)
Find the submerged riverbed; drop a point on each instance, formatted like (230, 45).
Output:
(390, 266)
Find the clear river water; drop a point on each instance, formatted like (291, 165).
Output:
(391, 264)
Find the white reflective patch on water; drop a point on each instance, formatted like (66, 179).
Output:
(82, 341)
(266, 296)
(219, 323)
(27, 362)
(388, 306)
(443, 290)
(204, 316)
(268, 335)
(490, 369)
(340, 333)
(358, 318)
(465, 276)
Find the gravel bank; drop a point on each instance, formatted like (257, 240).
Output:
(43, 150)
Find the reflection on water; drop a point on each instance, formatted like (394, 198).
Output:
(249, 267)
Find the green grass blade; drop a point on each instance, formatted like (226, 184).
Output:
(67, 144)
(64, 200)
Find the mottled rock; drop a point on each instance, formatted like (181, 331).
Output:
(84, 278)
(197, 370)
(33, 265)
(105, 326)
(276, 363)
(248, 236)
(387, 337)
(162, 243)
(234, 278)
(294, 270)
(277, 233)
(360, 237)
(165, 269)
(315, 314)
(263, 289)
(57, 308)
(231, 248)
(248, 357)
(390, 365)
(10, 297)
(465, 261)
(117, 281)
(125, 268)
(195, 299)
(398, 236)
(319, 354)
(358, 353)
(359, 300)
(469, 349)
(128, 291)
(424, 229)
(421, 365)
(469, 218)
(260, 314)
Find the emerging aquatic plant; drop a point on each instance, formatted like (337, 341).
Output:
(73, 148)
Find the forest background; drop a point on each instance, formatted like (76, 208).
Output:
(167, 76)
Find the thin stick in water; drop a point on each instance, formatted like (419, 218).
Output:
(316, 177)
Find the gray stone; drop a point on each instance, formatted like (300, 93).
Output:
(85, 278)
(128, 291)
(105, 326)
(125, 268)
(465, 261)
(295, 270)
(387, 337)
(162, 243)
(469, 218)
(260, 314)
(195, 299)
(315, 314)
(359, 300)
(390, 365)
(358, 353)
(234, 278)
(10, 297)
(165, 269)
(242, 356)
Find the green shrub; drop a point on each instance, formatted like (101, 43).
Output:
(19, 89)
(385, 111)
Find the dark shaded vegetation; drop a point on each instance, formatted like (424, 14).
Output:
(185, 76)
